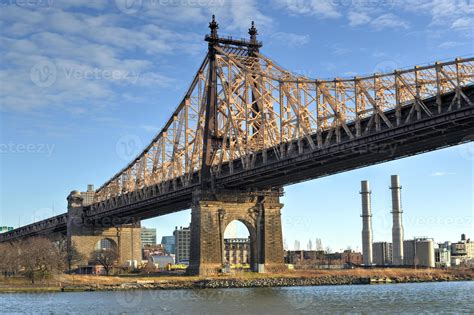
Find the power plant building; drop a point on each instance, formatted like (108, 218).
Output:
(397, 228)
(419, 252)
(382, 253)
(366, 223)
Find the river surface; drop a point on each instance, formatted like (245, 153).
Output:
(452, 297)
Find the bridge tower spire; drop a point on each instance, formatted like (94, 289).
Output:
(210, 124)
(254, 45)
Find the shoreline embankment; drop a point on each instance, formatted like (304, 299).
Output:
(83, 283)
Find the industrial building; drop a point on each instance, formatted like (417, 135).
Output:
(462, 252)
(182, 238)
(148, 236)
(237, 250)
(382, 253)
(419, 252)
(443, 255)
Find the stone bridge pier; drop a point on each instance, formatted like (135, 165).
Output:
(88, 236)
(211, 213)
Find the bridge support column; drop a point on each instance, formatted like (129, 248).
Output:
(86, 235)
(213, 211)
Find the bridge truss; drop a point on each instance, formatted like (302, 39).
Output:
(247, 123)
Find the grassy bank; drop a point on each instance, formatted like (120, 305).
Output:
(289, 278)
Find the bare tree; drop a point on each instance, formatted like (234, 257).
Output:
(310, 245)
(106, 258)
(8, 259)
(66, 255)
(36, 257)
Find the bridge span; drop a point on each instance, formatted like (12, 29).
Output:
(247, 127)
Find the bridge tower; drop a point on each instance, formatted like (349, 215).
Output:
(213, 208)
(88, 236)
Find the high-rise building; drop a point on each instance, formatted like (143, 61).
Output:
(182, 239)
(168, 243)
(88, 196)
(382, 253)
(148, 236)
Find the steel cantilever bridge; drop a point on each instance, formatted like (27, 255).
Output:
(247, 124)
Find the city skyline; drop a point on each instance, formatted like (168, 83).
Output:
(110, 108)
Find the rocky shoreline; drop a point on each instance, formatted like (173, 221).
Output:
(255, 283)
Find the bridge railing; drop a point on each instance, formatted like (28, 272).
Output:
(57, 222)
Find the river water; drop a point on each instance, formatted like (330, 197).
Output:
(452, 297)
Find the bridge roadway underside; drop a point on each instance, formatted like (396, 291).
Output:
(441, 130)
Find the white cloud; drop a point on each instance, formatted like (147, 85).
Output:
(326, 9)
(450, 44)
(464, 23)
(93, 56)
(291, 39)
(358, 18)
(389, 20)
(439, 173)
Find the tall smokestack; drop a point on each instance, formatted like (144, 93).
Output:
(366, 223)
(397, 228)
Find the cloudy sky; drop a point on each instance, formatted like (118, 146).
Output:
(84, 85)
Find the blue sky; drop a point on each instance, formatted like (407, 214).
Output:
(117, 69)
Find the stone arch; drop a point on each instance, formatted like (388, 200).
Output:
(212, 212)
